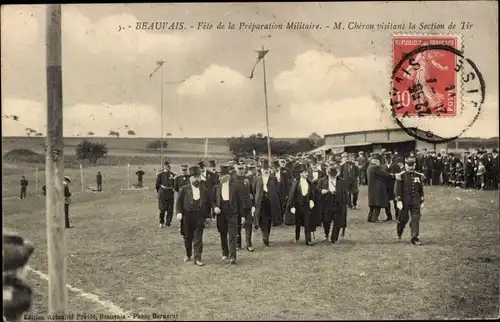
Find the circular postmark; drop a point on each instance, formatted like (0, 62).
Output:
(436, 106)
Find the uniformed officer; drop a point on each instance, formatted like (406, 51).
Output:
(410, 197)
(182, 179)
(165, 189)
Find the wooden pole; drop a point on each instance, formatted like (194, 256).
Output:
(54, 166)
(128, 176)
(206, 148)
(36, 180)
(267, 109)
(81, 177)
(161, 113)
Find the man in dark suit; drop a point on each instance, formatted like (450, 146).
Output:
(24, 187)
(377, 188)
(267, 202)
(301, 203)
(350, 173)
(494, 168)
(67, 200)
(244, 183)
(283, 176)
(165, 191)
(193, 208)
(180, 181)
(393, 168)
(98, 180)
(362, 165)
(140, 174)
(333, 203)
(410, 197)
(225, 204)
(212, 165)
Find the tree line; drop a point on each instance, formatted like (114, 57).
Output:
(246, 145)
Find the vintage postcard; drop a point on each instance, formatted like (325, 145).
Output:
(250, 161)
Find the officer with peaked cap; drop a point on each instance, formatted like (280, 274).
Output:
(410, 198)
(212, 164)
(182, 179)
(165, 181)
(67, 200)
(193, 209)
(244, 182)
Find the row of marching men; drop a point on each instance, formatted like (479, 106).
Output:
(247, 197)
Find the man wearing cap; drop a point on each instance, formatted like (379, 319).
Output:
(24, 186)
(350, 173)
(333, 203)
(315, 172)
(225, 204)
(181, 179)
(393, 168)
(165, 181)
(212, 164)
(193, 208)
(267, 202)
(494, 168)
(301, 203)
(377, 188)
(67, 200)
(139, 175)
(410, 197)
(362, 165)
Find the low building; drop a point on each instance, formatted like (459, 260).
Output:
(376, 140)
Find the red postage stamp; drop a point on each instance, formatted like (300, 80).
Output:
(424, 80)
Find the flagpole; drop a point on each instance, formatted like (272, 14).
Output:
(54, 166)
(161, 114)
(267, 109)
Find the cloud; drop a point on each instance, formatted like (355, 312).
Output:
(225, 99)
(318, 76)
(104, 37)
(80, 119)
(332, 116)
(20, 28)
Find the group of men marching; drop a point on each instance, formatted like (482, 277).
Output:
(307, 192)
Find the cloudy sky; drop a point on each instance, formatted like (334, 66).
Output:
(322, 81)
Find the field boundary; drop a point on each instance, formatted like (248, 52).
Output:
(110, 306)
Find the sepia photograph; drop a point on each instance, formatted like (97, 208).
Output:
(250, 161)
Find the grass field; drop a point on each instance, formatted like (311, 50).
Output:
(178, 145)
(117, 252)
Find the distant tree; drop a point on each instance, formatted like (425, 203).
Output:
(38, 134)
(169, 134)
(90, 133)
(304, 145)
(317, 139)
(29, 131)
(156, 145)
(131, 132)
(114, 133)
(91, 151)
